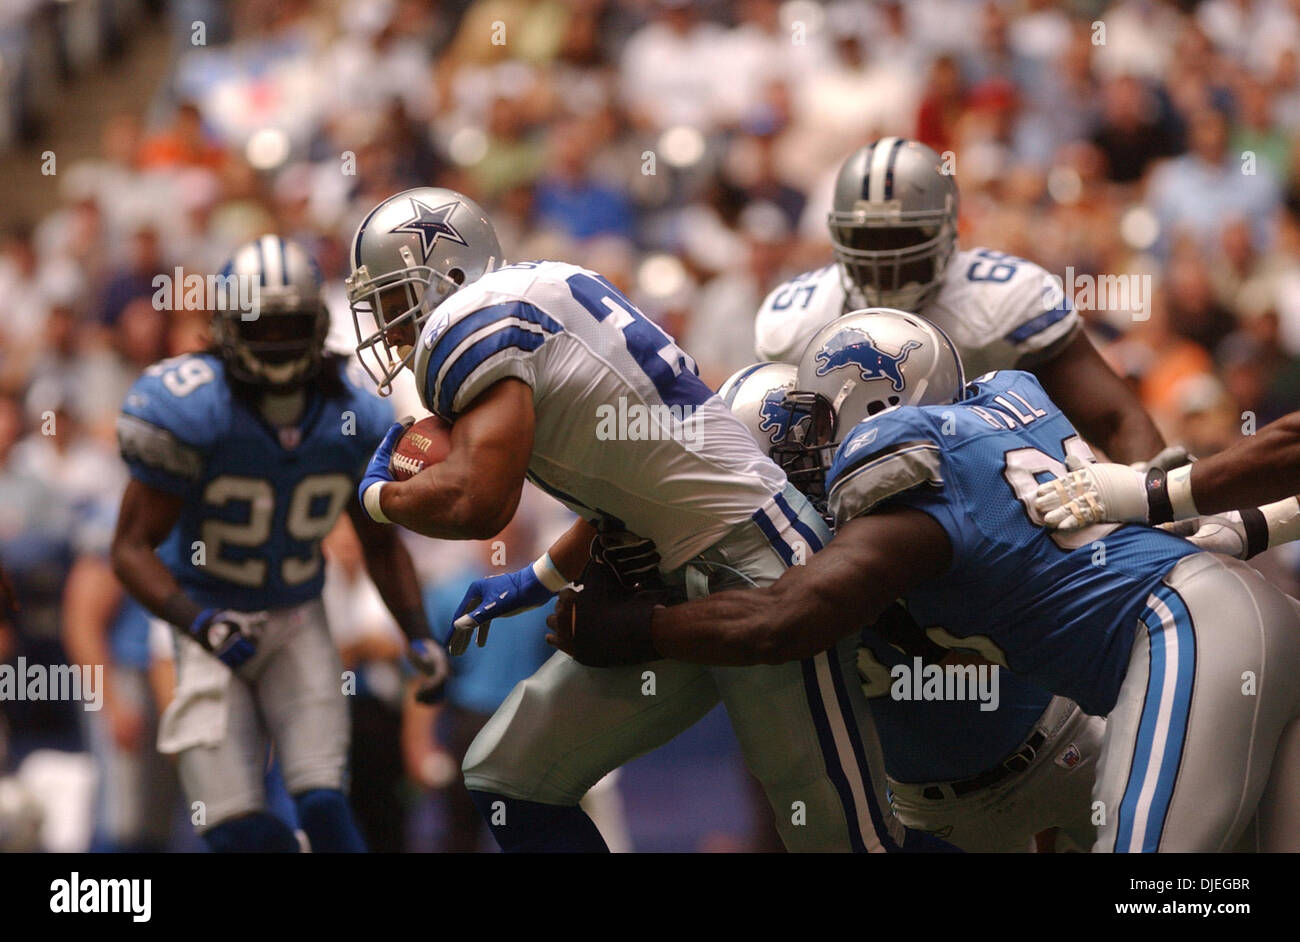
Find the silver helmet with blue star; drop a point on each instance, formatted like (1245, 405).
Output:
(409, 254)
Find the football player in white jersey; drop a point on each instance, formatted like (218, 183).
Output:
(893, 228)
(547, 372)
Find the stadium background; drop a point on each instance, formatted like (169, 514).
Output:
(683, 150)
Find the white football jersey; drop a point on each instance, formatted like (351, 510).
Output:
(1001, 311)
(625, 427)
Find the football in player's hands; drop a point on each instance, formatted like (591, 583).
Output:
(424, 444)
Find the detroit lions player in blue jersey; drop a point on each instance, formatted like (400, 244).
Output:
(1190, 655)
(241, 460)
(547, 372)
(988, 777)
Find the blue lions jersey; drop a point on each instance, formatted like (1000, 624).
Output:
(1059, 609)
(943, 740)
(257, 499)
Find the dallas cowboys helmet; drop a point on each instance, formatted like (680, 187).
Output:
(787, 426)
(410, 253)
(277, 341)
(875, 359)
(893, 223)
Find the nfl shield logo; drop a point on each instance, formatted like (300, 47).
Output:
(290, 437)
(1070, 757)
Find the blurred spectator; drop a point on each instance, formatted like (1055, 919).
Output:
(184, 144)
(568, 199)
(1202, 190)
(670, 69)
(1130, 134)
(137, 793)
(942, 106)
(135, 279)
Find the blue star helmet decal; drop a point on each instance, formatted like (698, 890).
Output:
(431, 224)
(850, 347)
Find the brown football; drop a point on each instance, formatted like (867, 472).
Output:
(425, 443)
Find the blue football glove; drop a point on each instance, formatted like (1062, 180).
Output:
(495, 597)
(378, 472)
(430, 660)
(229, 636)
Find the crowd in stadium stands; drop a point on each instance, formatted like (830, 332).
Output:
(685, 151)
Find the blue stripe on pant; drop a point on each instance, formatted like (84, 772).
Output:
(829, 703)
(1158, 750)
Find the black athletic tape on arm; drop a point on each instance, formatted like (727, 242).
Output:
(1256, 526)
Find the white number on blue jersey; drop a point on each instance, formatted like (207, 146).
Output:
(313, 507)
(1024, 465)
(182, 375)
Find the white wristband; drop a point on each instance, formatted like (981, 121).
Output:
(370, 502)
(548, 575)
(1178, 485)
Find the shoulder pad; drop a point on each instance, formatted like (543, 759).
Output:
(882, 457)
(795, 310)
(172, 414)
(469, 346)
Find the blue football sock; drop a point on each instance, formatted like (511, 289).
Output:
(257, 833)
(325, 815)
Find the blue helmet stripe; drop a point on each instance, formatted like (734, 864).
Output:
(284, 262)
(866, 177)
(889, 168)
(740, 381)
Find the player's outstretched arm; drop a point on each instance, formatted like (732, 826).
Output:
(871, 562)
(510, 593)
(390, 568)
(1099, 404)
(1262, 469)
(1253, 479)
(473, 493)
(1259, 469)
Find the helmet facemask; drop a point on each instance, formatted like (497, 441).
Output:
(397, 304)
(280, 348)
(892, 259)
(806, 450)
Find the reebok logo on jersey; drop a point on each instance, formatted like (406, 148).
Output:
(862, 441)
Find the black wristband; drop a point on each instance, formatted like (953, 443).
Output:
(181, 610)
(1159, 508)
(1256, 527)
